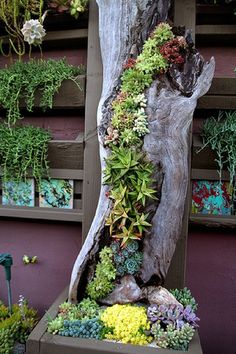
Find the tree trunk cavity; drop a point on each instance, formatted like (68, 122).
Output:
(171, 100)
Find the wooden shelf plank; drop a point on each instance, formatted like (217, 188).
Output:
(68, 96)
(38, 213)
(66, 154)
(217, 102)
(214, 220)
(223, 86)
(199, 173)
(66, 174)
(66, 35)
(221, 30)
(214, 9)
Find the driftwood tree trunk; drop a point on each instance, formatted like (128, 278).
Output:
(171, 100)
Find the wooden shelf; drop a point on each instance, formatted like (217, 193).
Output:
(198, 173)
(223, 86)
(69, 95)
(66, 154)
(216, 30)
(38, 213)
(217, 102)
(78, 34)
(214, 220)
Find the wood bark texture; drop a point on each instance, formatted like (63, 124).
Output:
(123, 27)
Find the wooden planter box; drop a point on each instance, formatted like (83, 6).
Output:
(41, 342)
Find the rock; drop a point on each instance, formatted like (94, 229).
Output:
(124, 293)
(159, 296)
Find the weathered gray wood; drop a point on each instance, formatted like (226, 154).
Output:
(66, 154)
(91, 186)
(185, 14)
(118, 19)
(167, 144)
(170, 115)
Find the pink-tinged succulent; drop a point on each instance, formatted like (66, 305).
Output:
(33, 32)
(59, 5)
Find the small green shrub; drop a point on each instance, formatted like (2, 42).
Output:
(105, 274)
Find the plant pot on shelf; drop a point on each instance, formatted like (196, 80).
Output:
(42, 342)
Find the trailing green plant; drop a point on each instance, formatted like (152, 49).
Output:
(105, 274)
(185, 297)
(14, 14)
(220, 135)
(23, 149)
(21, 80)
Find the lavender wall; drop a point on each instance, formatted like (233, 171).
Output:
(55, 244)
(211, 275)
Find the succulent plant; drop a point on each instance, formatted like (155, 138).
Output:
(190, 316)
(170, 337)
(33, 32)
(91, 328)
(59, 5)
(185, 297)
(77, 7)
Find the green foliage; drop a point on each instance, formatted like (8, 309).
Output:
(77, 7)
(22, 79)
(135, 81)
(170, 337)
(185, 297)
(14, 13)
(55, 325)
(23, 148)
(130, 175)
(105, 274)
(16, 326)
(220, 134)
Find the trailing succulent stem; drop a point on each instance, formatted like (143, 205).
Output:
(23, 149)
(22, 79)
(220, 134)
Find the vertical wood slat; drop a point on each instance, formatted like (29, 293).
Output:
(91, 185)
(185, 14)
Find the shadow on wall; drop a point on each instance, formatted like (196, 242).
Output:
(55, 244)
(211, 276)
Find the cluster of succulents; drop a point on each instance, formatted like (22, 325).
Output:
(127, 323)
(75, 7)
(105, 274)
(177, 315)
(171, 337)
(173, 326)
(91, 328)
(128, 259)
(170, 326)
(15, 326)
(171, 50)
(185, 297)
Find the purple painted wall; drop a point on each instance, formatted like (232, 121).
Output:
(211, 275)
(55, 244)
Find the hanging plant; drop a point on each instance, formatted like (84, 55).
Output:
(74, 7)
(22, 79)
(220, 135)
(14, 14)
(23, 150)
